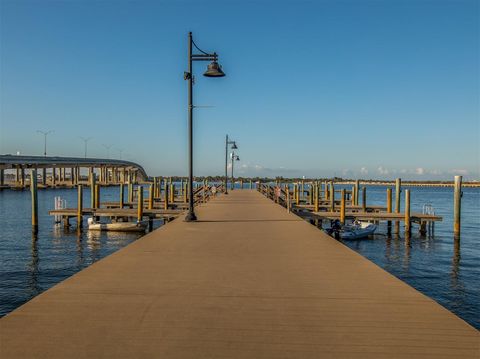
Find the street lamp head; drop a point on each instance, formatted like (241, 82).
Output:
(214, 70)
(237, 158)
(234, 146)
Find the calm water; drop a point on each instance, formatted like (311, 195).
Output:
(444, 269)
(437, 265)
(29, 267)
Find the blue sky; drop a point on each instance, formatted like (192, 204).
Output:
(368, 89)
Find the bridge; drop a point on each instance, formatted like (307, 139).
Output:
(57, 171)
(248, 280)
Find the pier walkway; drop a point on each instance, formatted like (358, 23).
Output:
(249, 280)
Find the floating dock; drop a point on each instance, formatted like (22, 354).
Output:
(248, 280)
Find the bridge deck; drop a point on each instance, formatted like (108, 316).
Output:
(247, 281)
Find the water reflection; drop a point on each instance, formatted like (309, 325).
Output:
(407, 253)
(455, 262)
(33, 269)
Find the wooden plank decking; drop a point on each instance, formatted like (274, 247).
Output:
(248, 280)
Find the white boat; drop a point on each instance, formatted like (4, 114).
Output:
(357, 230)
(117, 226)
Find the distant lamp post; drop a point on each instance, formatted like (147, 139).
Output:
(213, 70)
(107, 147)
(234, 147)
(85, 140)
(234, 158)
(45, 134)
(120, 151)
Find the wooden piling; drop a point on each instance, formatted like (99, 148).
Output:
(332, 197)
(342, 207)
(139, 203)
(92, 189)
(287, 197)
(97, 196)
(316, 191)
(130, 192)
(2, 177)
(389, 209)
(364, 199)
(172, 192)
(166, 195)
(150, 196)
(121, 196)
(407, 213)
(80, 207)
(310, 194)
(457, 205)
(357, 191)
(398, 190)
(33, 190)
(352, 196)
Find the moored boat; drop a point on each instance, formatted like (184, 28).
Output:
(117, 226)
(357, 230)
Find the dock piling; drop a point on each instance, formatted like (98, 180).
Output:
(342, 207)
(140, 203)
(33, 190)
(389, 209)
(80, 207)
(121, 196)
(357, 189)
(457, 203)
(407, 213)
(364, 199)
(398, 190)
(332, 197)
(150, 196)
(92, 189)
(166, 195)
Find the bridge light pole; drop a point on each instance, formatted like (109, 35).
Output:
(234, 158)
(120, 151)
(45, 134)
(108, 150)
(213, 70)
(86, 141)
(234, 147)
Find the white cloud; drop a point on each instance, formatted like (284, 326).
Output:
(364, 171)
(419, 171)
(383, 171)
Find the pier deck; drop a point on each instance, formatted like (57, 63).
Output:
(249, 280)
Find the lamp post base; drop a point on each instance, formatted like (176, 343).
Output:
(190, 217)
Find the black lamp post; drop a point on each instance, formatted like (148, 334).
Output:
(234, 147)
(234, 158)
(213, 70)
(45, 134)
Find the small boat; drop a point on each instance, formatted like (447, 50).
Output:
(357, 230)
(117, 226)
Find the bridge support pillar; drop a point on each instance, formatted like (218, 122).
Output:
(22, 178)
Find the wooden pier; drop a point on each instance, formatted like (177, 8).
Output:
(248, 280)
(314, 207)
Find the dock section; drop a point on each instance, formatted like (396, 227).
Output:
(248, 280)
